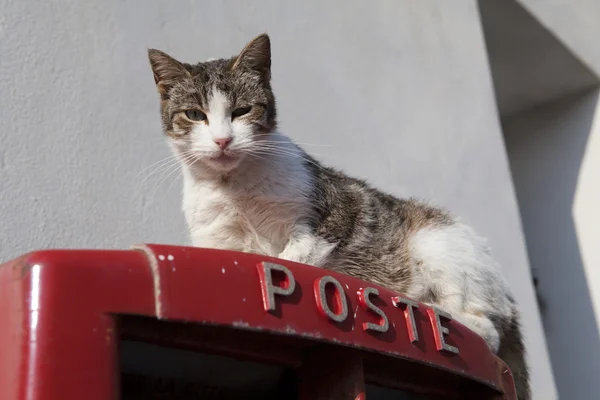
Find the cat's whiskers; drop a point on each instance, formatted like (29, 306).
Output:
(293, 141)
(173, 167)
(272, 146)
(276, 150)
(187, 163)
(161, 165)
(278, 147)
(284, 152)
(156, 167)
(189, 156)
(288, 145)
(154, 164)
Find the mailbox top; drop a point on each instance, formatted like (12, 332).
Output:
(245, 292)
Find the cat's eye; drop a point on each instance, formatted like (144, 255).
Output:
(195, 115)
(238, 112)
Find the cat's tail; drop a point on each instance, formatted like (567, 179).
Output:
(512, 352)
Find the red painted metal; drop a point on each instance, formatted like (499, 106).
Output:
(332, 374)
(367, 305)
(338, 304)
(58, 336)
(59, 313)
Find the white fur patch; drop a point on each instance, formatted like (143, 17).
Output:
(219, 116)
(262, 213)
(454, 262)
(306, 248)
(202, 142)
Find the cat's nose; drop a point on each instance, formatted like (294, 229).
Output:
(223, 143)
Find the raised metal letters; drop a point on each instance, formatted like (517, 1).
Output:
(338, 312)
(265, 273)
(409, 306)
(321, 298)
(439, 331)
(365, 302)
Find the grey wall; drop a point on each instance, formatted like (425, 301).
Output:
(546, 73)
(557, 186)
(574, 22)
(530, 64)
(399, 91)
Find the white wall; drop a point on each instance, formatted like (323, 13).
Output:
(399, 90)
(555, 157)
(574, 22)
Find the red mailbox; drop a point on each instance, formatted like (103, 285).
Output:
(167, 322)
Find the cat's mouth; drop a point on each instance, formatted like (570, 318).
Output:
(225, 160)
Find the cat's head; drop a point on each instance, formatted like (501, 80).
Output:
(217, 112)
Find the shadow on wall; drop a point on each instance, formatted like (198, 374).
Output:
(546, 146)
(547, 101)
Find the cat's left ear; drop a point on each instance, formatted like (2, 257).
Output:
(167, 71)
(256, 56)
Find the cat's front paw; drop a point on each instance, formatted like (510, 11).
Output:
(291, 255)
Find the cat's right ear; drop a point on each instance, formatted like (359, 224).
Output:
(256, 56)
(167, 71)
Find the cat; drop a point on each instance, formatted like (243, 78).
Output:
(247, 187)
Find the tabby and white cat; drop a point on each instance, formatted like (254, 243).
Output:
(249, 188)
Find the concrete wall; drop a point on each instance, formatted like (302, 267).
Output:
(546, 72)
(530, 64)
(400, 91)
(555, 153)
(574, 22)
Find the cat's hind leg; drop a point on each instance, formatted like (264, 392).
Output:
(476, 321)
(455, 272)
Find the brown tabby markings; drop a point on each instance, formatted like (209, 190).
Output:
(312, 209)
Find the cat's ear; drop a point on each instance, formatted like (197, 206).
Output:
(167, 71)
(257, 56)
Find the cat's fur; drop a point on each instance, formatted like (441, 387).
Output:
(263, 194)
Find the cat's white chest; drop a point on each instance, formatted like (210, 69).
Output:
(216, 219)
